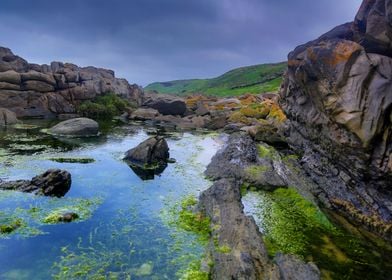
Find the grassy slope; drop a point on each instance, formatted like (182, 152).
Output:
(250, 79)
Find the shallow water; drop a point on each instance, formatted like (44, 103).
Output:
(123, 232)
(293, 225)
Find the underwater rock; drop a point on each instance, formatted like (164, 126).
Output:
(53, 182)
(79, 127)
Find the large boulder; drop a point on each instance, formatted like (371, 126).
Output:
(149, 158)
(7, 117)
(166, 105)
(337, 97)
(152, 151)
(79, 127)
(53, 182)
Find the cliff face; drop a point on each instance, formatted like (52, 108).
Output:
(337, 95)
(32, 90)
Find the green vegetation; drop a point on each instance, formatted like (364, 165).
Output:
(6, 227)
(103, 107)
(251, 79)
(195, 222)
(73, 160)
(293, 225)
(193, 272)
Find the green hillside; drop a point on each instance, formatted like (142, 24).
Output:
(250, 79)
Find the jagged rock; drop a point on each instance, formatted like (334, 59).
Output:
(154, 150)
(53, 182)
(79, 127)
(166, 105)
(149, 158)
(246, 256)
(7, 117)
(336, 95)
(27, 89)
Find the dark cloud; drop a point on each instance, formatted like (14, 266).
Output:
(155, 40)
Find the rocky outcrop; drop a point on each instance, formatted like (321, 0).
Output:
(53, 182)
(337, 97)
(7, 117)
(236, 246)
(149, 158)
(32, 90)
(79, 127)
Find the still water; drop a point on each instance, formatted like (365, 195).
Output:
(124, 230)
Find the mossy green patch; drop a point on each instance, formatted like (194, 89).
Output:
(103, 107)
(224, 249)
(294, 225)
(255, 170)
(194, 272)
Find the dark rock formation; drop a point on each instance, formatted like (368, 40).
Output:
(246, 256)
(7, 117)
(337, 96)
(149, 158)
(54, 182)
(79, 127)
(32, 90)
(236, 245)
(240, 159)
(166, 104)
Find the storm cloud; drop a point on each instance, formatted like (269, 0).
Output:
(157, 40)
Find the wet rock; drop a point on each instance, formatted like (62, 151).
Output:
(149, 158)
(53, 182)
(79, 127)
(245, 256)
(336, 95)
(292, 268)
(153, 150)
(7, 117)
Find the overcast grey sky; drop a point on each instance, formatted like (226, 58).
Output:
(158, 40)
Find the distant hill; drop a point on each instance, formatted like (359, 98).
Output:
(250, 79)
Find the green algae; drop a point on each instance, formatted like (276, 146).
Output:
(194, 272)
(294, 225)
(27, 222)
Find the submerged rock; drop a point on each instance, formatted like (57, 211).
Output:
(61, 217)
(53, 182)
(149, 158)
(79, 127)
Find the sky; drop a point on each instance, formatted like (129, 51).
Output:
(146, 41)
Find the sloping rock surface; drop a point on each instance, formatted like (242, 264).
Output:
(337, 96)
(78, 127)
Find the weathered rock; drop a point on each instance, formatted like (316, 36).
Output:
(292, 268)
(337, 98)
(7, 117)
(28, 89)
(166, 105)
(149, 158)
(144, 114)
(246, 256)
(79, 127)
(152, 151)
(53, 182)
